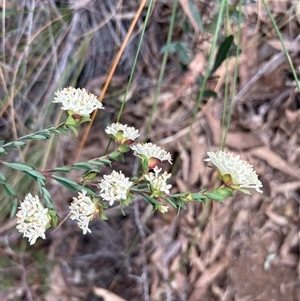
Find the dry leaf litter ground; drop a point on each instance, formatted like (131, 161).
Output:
(244, 249)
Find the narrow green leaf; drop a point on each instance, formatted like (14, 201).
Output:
(18, 166)
(222, 53)
(54, 218)
(61, 169)
(83, 165)
(1, 142)
(14, 144)
(54, 130)
(2, 178)
(9, 190)
(70, 184)
(115, 155)
(97, 163)
(45, 192)
(14, 207)
(39, 137)
(169, 200)
(73, 130)
(2, 151)
(215, 196)
(150, 200)
(34, 174)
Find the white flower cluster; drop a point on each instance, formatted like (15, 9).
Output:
(32, 218)
(79, 101)
(159, 182)
(241, 172)
(128, 133)
(83, 210)
(114, 187)
(150, 150)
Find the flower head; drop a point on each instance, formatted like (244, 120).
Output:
(114, 187)
(242, 174)
(32, 218)
(77, 101)
(122, 133)
(83, 209)
(151, 152)
(158, 182)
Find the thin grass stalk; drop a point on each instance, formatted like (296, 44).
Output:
(162, 69)
(223, 122)
(205, 79)
(135, 60)
(235, 78)
(109, 76)
(282, 44)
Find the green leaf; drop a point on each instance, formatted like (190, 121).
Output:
(54, 217)
(182, 52)
(2, 178)
(39, 137)
(97, 163)
(115, 155)
(61, 169)
(54, 130)
(18, 166)
(244, 190)
(1, 142)
(105, 161)
(210, 93)
(83, 165)
(9, 190)
(14, 207)
(169, 200)
(14, 144)
(2, 151)
(150, 200)
(35, 174)
(199, 197)
(70, 184)
(46, 193)
(222, 53)
(215, 196)
(73, 130)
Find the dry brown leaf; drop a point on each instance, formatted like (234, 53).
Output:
(297, 12)
(208, 276)
(58, 289)
(198, 154)
(237, 140)
(276, 44)
(276, 218)
(106, 295)
(285, 187)
(185, 167)
(274, 161)
(242, 141)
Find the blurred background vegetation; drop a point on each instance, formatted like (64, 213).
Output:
(208, 75)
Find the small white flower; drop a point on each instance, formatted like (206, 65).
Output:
(150, 150)
(79, 101)
(162, 208)
(159, 182)
(33, 218)
(128, 133)
(83, 209)
(241, 172)
(114, 187)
